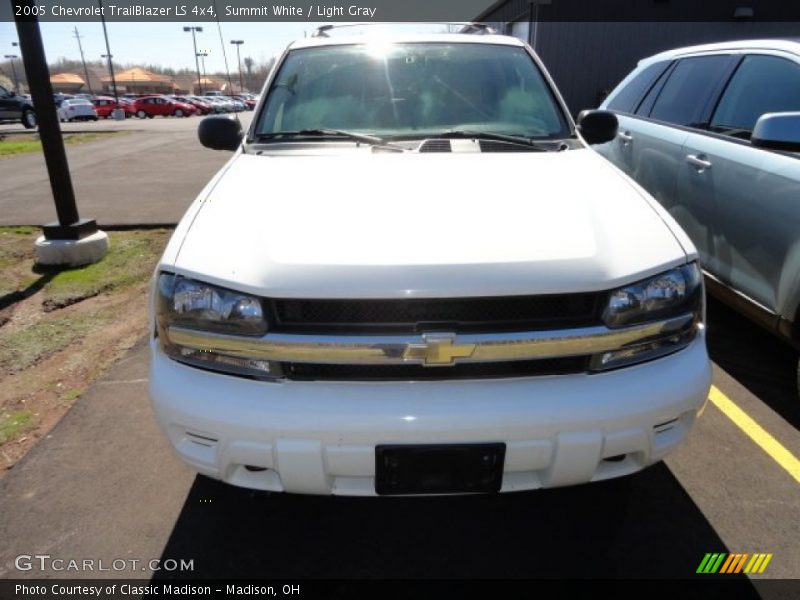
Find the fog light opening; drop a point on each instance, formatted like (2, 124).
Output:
(617, 458)
(254, 469)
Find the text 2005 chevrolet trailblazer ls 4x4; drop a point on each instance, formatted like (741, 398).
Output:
(414, 277)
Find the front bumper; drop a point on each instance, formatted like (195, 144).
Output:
(320, 437)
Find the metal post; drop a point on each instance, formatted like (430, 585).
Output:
(12, 57)
(69, 226)
(196, 62)
(238, 44)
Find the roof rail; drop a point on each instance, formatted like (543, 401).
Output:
(473, 28)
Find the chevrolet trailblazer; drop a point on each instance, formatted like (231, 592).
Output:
(367, 300)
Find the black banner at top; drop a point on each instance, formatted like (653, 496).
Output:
(402, 11)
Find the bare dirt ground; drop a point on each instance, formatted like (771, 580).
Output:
(62, 329)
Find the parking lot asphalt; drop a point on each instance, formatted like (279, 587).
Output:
(105, 484)
(147, 176)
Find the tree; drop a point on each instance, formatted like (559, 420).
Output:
(248, 65)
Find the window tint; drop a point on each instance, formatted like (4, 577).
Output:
(3, 91)
(627, 99)
(760, 85)
(688, 88)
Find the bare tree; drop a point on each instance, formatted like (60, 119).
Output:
(248, 65)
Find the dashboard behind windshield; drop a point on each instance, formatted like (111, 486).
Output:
(411, 89)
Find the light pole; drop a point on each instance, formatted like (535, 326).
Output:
(83, 60)
(238, 44)
(118, 114)
(12, 58)
(202, 55)
(196, 61)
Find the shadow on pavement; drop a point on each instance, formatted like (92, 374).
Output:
(761, 362)
(645, 525)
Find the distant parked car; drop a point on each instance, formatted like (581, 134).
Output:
(16, 108)
(218, 104)
(106, 105)
(151, 106)
(202, 108)
(713, 132)
(76, 109)
(249, 102)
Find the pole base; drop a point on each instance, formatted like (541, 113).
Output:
(71, 253)
(74, 231)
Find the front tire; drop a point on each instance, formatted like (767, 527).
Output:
(178, 113)
(141, 114)
(28, 119)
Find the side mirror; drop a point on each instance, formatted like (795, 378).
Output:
(597, 126)
(777, 131)
(220, 133)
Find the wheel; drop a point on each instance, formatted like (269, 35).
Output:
(141, 114)
(178, 113)
(94, 118)
(28, 118)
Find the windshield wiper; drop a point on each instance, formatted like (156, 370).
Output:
(500, 137)
(362, 138)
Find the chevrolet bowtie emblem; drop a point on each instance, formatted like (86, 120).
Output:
(438, 350)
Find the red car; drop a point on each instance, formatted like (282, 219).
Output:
(151, 106)
(104, 106)
(203, 108)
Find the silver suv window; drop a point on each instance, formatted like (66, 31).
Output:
(412, 89)
(761, 84)
(688, 88)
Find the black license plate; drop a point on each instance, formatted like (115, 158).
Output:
(439, 469)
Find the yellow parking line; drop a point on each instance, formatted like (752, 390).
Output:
(755, 432)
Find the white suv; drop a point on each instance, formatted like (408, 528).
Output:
(414, 277)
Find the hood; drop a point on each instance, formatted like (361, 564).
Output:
(372, 225)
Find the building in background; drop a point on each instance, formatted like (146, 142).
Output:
(140, 81)
(588, 53)
(67, 83)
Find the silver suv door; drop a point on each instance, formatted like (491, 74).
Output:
(751, 219)
(650, 143)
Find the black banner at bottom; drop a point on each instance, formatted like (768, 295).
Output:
(109, 589)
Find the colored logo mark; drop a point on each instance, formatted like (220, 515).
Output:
(723, 562)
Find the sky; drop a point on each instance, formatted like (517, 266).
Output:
(164, 44)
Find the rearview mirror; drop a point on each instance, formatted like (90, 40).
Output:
(220, 133)
(597, 126)
(777, 131)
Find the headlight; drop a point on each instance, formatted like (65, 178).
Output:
(675, 292)
(196, 305)
(190, 304)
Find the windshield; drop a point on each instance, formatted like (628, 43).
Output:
(412, 89)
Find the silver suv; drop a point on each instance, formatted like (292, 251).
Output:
(713, 133)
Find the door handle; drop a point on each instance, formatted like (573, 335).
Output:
(626, 137)
(699, 162)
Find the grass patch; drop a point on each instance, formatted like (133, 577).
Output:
(24, 348)
(130, 261)
(12, 425)
(12, 250)
(24, 144)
